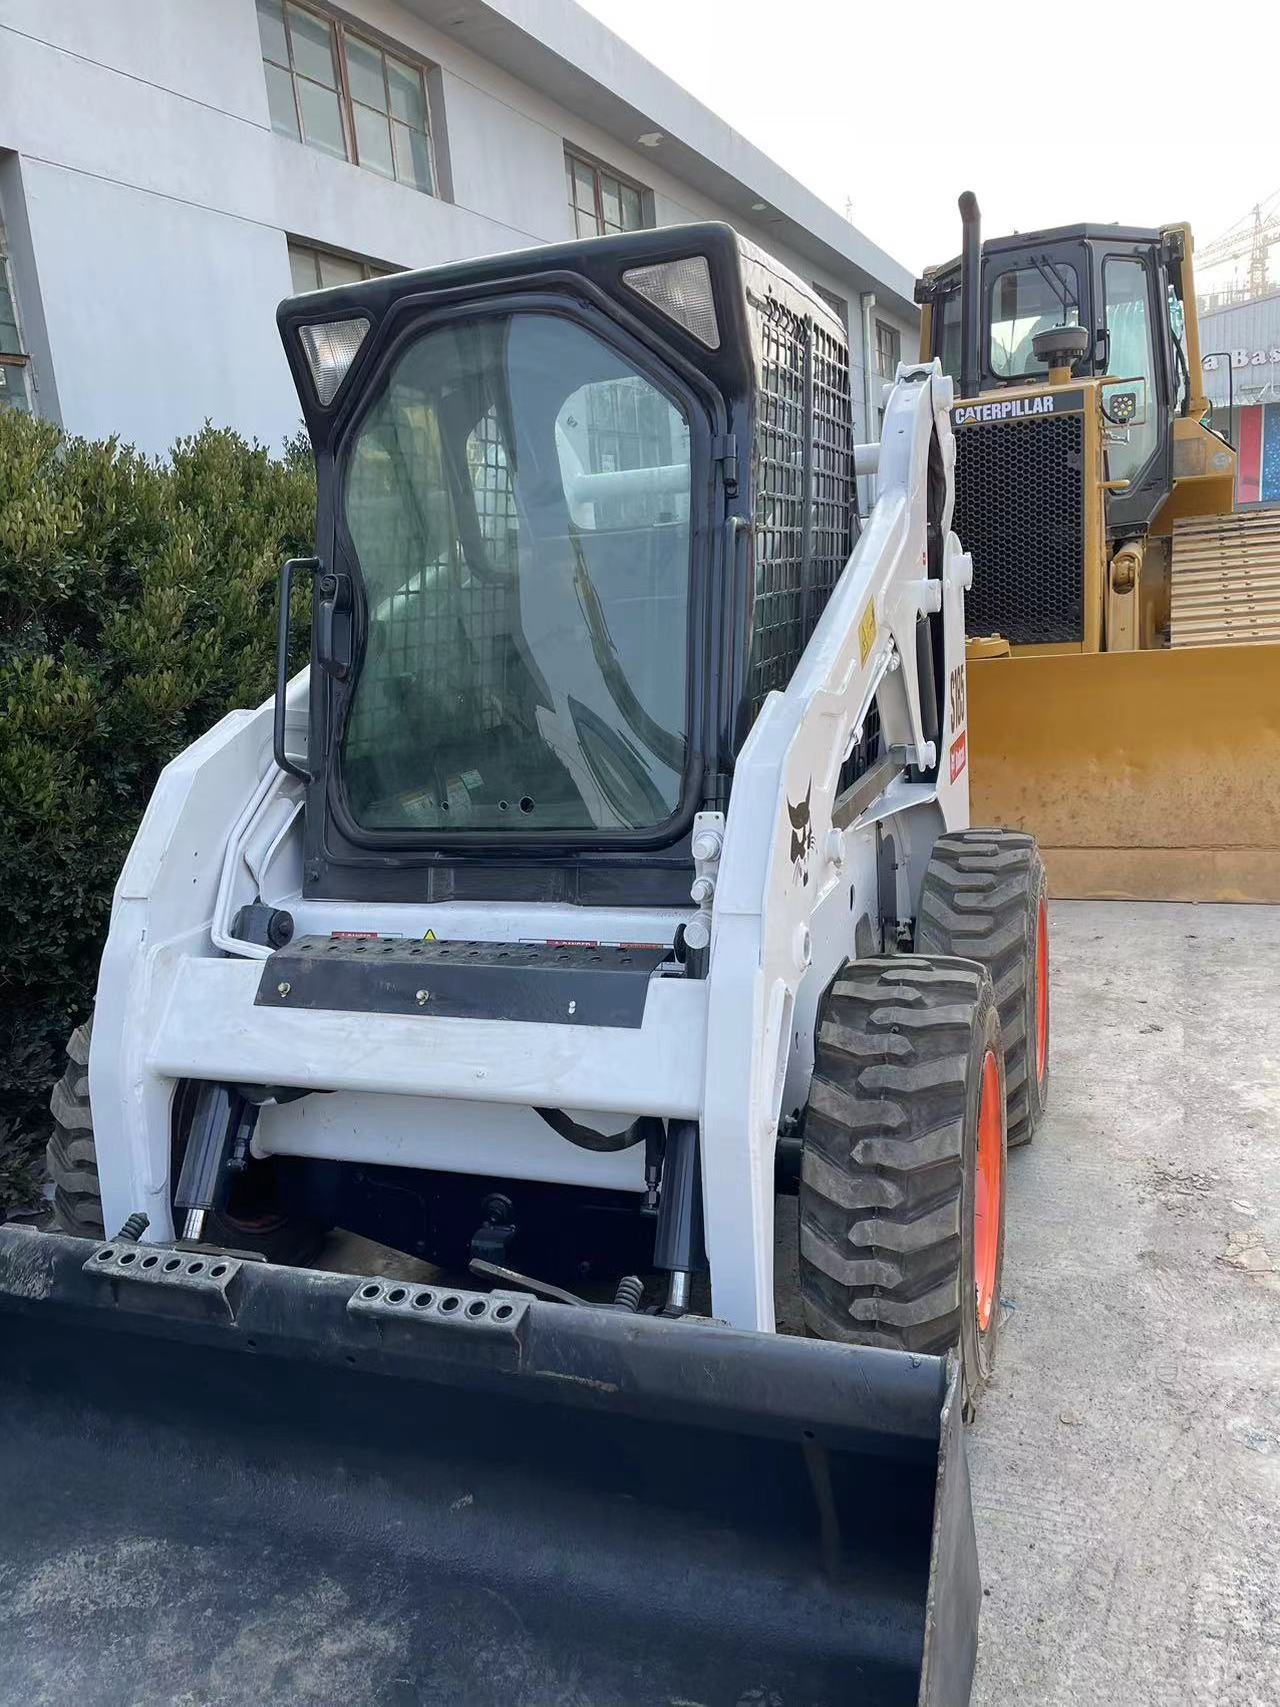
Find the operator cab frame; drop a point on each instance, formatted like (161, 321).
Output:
(1124, 285)
(536, 653)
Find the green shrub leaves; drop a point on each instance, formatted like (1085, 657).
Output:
(137, 606)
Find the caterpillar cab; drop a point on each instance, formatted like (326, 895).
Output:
(603, 882)
(1124, 622)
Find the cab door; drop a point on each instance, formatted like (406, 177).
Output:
(1133, 337)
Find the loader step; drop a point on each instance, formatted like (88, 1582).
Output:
(547, 983)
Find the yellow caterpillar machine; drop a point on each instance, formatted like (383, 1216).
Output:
(1124, 623)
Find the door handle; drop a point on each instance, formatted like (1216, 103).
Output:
(333, 633)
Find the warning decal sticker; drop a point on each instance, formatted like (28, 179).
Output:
(867, 631)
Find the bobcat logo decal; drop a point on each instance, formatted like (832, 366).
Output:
(801, 834)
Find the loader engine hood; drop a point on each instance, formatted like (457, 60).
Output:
(537, 476)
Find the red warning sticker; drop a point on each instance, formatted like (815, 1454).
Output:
(959, 755)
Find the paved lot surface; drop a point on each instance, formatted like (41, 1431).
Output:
(1126, 1462)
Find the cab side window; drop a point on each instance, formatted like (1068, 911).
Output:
(1128, 309)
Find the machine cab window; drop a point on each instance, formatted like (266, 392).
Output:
(1032, 297)
(517, 499)
(1131, 358)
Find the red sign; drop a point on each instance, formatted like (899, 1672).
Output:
(959, 755)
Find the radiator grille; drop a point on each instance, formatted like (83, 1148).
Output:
(1020, 515)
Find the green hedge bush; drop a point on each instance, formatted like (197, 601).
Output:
(137, 605)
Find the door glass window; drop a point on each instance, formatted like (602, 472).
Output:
(1178, 331)
(1124, 283)
(947, 336)
(518, 500)
(1024, 301)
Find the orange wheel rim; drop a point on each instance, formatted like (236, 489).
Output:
(1042, 991)
(990, 1185)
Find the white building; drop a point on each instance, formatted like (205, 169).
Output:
(170, 169)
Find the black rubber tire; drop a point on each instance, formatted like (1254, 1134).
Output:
(889, 1168)
(72, 1160)
(981, 898)
(70, 1154)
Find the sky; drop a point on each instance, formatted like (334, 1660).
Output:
(897, 108)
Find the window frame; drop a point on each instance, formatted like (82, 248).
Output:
(600, 169)
(329, 784)
(839, 305)
(1151, 481)
(889, 336)
(19, 360)
(1072, 255)
(369, 268)
(339, 31)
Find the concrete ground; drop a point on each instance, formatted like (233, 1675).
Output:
(1126, 1458)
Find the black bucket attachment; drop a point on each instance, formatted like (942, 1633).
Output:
(226, 1482)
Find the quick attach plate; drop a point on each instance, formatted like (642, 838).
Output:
(544, 983)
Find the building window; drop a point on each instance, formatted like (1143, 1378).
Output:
(837, 304)
(318, 269)
(14, 361)
(603, 202)
(888, 349)
(345, 95)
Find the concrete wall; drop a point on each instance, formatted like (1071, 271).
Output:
(151, 202)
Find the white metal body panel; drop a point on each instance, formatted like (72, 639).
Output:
(209, 1028)
(446, 1133)
(733, 1051)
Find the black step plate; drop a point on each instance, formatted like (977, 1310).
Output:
(544, 983)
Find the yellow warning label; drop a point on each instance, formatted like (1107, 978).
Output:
(867, 631)
(430, 937)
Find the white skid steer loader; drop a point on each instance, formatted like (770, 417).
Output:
(606, 873)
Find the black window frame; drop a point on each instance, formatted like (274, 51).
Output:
(1132, 510)
(1074, 255)
(329, 795)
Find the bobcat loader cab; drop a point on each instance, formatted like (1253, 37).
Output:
(607, 868)
(1115, 595)
(581, 516)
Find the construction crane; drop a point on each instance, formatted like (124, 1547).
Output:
(1251, 236)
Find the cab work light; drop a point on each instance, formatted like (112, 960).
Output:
(330, 348)
(682, 291)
